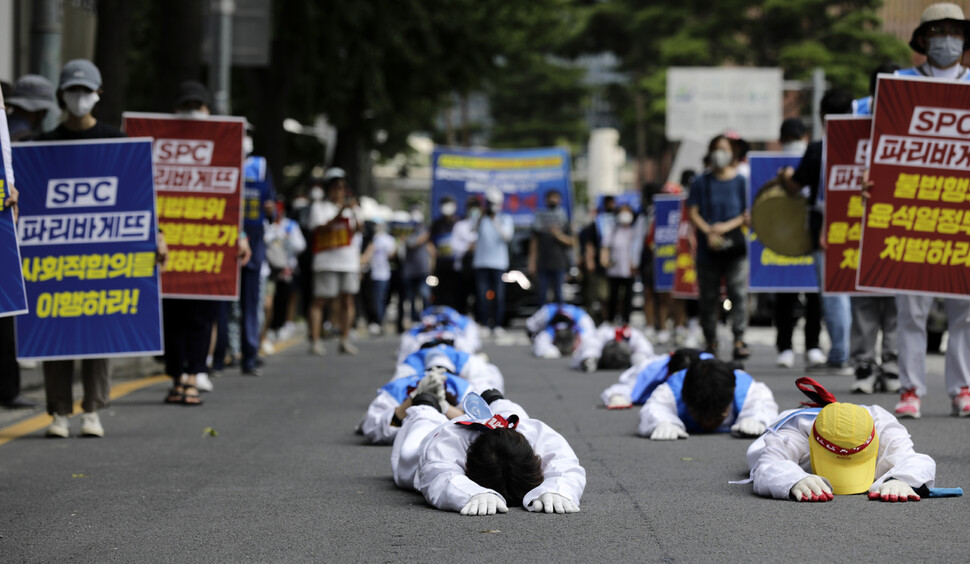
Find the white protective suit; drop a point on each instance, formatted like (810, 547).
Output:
(780, 458)
(628, 379)
(376, 425)
(466, 340)
(759, 404)
(429, 456)
(583, 326)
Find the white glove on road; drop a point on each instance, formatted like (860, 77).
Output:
(748, 427)
(811, 488)
(484, 504)
(618, 401)
(554, 503)
(894, 490)
(550, 353)
(667, 431)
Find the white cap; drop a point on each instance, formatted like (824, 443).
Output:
(333, 174)
(494, 195)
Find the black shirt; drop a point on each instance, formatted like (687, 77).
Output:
(99, 131)
(809, 173)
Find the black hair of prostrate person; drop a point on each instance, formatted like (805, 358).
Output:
(503, 460)
(615, 355)
(681, 359)
(708, 391)
(565, 340)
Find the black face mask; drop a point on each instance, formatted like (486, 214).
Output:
(552, 205)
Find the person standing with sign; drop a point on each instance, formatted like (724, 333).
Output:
(78, 91)
(335, 224)
(942, 36)
(717, 206)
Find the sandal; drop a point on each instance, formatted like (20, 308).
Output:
(176, 394)
(741, 351)
(191, 395)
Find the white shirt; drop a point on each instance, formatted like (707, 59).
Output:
(463, 236)
(341, 259)
(620, 243)
(429, 456)
(780, 458)
(383, 247)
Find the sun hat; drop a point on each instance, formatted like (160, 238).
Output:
(935, 13)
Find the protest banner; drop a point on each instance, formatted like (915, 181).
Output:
(685, 270)
(13, 294)
(87, 233)
(770, 271)
(198, 182)
(525, 176)
(666, 213)
(846, 145)
(916, 225)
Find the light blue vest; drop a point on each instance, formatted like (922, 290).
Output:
(742, 383)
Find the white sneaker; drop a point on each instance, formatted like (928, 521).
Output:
(285, 332)
(485, 332)
(680, 336)
(786, 359)
(59, 427)
(268, 347)
(91, 425)
(865, 379)
(498, 332)
(663, 337)
(374, 329)
(317, 348)
(815, 357)
(650, 333)
(347, 348)
(202, 382)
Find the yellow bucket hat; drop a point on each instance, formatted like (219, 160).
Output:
(843, 447)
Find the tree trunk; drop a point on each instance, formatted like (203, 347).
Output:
(110, 51)
(179, 49)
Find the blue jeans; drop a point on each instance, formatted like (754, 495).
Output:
(838, 319)
(379, 290)
(489, 280)
(545, 277)
(415, 287)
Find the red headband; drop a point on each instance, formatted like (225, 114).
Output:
(841, 451)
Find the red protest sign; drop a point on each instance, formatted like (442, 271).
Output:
(198, 189)
(685, 271)
(846, 146)
(916, 225)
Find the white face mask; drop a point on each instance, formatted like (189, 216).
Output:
(80, 104)
(474, 213)
(624, 218)
(248, 145)
(720, 158)
(316, 194)
(945, 51)
(449, 208)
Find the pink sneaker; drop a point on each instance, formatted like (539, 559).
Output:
(961, 403)
(909, 404)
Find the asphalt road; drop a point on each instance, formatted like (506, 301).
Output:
(269, 470)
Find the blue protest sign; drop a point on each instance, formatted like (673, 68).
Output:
(666, 212)
(771, 272)
(13, 295)
(87, 234)
(525, 176)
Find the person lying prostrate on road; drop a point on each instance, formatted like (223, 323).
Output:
(460, 374)
(613, 348)
(707, 397)
(485, 462)
(638, 382)
(836, 448)
(437, 320)
(559, 330)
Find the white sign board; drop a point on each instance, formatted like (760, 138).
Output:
(705, 101)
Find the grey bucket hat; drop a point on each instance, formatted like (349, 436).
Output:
(33, 93)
